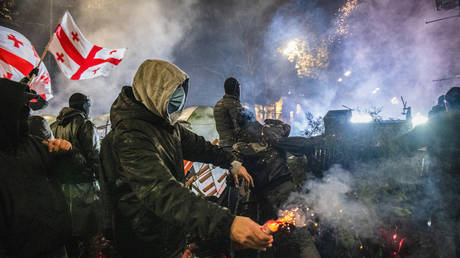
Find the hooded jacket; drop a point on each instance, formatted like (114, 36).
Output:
(34, 218)
(142, 160)
(227, 113)
(74, 126)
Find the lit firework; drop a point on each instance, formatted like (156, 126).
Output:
(288, 218)
(308, 59)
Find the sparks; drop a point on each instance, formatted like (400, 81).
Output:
(309, 59)
(394, 101)
(347, 73)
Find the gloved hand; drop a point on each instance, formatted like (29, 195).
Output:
(33, 72)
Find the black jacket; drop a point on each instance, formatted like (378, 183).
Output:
(142, 157)
(34, 217)
(74, 126)
(227, 113)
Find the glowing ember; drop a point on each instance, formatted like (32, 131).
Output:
(288, 217)
(361, 247)
(270, 226)
(395, 236)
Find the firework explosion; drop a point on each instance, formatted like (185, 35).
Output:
(310, 58)
(342, 28)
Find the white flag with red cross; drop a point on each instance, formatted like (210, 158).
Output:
(18, 57)
(77, 57)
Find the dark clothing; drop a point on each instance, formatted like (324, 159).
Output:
(143, 157)
(227, 113)
(74, 126)
(79, 183)
(39, 127)
(34, 217)
(263, 151)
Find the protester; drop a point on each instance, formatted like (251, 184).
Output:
(227, 112)
(263, 149)
(80, 185)
(34, 217)
(142, 159)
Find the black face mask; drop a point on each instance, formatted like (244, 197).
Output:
(85, 107)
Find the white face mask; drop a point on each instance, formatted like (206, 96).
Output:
(177, 101)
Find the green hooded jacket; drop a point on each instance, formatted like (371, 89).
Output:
(142, 159)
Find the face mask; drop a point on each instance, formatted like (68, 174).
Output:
(177, 101)
(86, 107)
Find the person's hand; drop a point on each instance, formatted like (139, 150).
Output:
(33, 72)
(242, 173)
(56, 145)
(248, 234)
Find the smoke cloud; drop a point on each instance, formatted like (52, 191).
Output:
(368, 198)
(387, 46)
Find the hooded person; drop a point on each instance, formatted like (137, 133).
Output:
(80, 184)
(34, 218)
(142, 163)
(227, 113)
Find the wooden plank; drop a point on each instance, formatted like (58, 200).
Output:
(205, 177)
(221, 178)
(211, 185)
(212, 193)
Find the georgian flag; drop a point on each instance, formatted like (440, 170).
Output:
(18, 57)
(77, 57)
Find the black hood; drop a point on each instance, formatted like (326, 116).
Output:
(126, 107)
(14, 113)
(67, 114)
(232, 87)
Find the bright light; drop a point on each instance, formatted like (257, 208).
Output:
(347, 73)
(290, 47)
(418, 119)
(340, 80)
(375, 90)
(361, 118)
(394, 101)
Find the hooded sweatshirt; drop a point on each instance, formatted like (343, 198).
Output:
(142, 159)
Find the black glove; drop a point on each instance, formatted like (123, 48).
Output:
(33, 72)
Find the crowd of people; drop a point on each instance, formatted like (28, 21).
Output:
(63, 192)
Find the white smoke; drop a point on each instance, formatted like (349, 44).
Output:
(149, 29)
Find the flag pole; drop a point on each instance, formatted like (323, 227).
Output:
(45, 51)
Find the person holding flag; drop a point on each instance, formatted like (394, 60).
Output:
(20, 62)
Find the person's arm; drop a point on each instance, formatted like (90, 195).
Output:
(89, 145)
(196, 148)
(154, 184)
